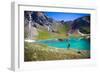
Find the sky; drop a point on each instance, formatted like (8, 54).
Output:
(65, 16)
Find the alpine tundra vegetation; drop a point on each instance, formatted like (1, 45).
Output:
(56, 36)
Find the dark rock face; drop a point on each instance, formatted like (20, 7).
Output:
(41, 18)
(83, 24)
(38, 18)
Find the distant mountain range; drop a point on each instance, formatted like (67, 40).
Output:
(40, 20)
(82, 23)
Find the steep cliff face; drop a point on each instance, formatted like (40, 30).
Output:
(83, 24)
(40, 22)
(30, 31)
(41, 18)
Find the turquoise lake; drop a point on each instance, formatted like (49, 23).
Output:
(75, 43)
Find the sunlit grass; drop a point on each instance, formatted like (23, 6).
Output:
(45, 34)
(40, 52)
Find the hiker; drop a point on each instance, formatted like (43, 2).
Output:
(68, 46)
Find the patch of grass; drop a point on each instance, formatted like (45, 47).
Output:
(25, 34)
(40, 52)
(43, 35)
(63, 29)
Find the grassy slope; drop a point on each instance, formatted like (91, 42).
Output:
(44, 34)
(39, 52)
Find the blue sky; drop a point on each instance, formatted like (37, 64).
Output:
(64, 16)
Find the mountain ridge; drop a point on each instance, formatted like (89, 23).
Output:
(41, 22)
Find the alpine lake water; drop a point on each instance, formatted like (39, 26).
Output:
(73, 43)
